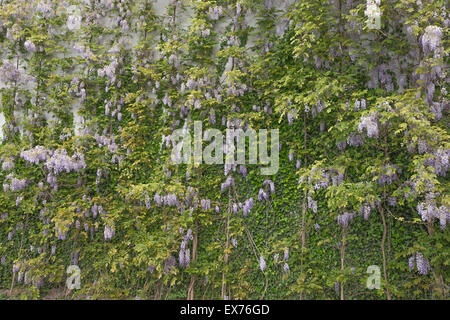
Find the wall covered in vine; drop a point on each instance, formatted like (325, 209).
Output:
(92, 90)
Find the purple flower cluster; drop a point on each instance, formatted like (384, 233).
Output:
(60, 161)
(312, 204)
(169, 264)
(262, 195)
(431, 39)
(215, 13)
(337, 179)
(345, 219)
(30, 46)
(248, 205)
(108, 142)
(370, 123)
(205, 204)
(364, 211)
(108, 233)
(184, 255)
(262, 263)
(36, 154)
(318, 108)
(9, 72)
(228, 182)
(8, 164)
(423, 265)
(360, 105)
(61, 235)
(16, 185)
(388, 175)
(439, 161)
(428, 211)
(355, 139)
(286, 268)
(170, 200)
(271, 185)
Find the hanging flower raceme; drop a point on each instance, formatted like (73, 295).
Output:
(36, 155)
(184, 255)
(248, 205)
(60, 161)
(345, 219)
(428, 211)
(9, 71)
(423, 265)
(108, 233)
(431, 39)
(370, 123)
(262, 263)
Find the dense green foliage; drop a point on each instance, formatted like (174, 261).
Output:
(86, 172)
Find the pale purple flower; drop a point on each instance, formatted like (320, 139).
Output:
(8, 164)
(205, 204)
(30, 46)
(248, 205)
(16, 267)
(431, 39)
(36, 154)
(108, 233)
(423, 266)
(187, 257)
(355, 139)
(181, 258)
(9, 72)
(411, 262)
(345, 219)
(291, 155)
(18, 184)
(262, 195)
(370, 123)
(262, 263)
(157, 199)
(286, 254)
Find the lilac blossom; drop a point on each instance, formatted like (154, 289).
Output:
(262, 263)
(262, 195)
(17, 184)
(108, 233)
(9, 72)
(286, 254)
(423, 265)
(345, 219)
(36, 155)
(370, 123)
(205, 204)
(286, 268)
(248, 205)
(431, 39)
(8, 164)
(215, 13)
(30, 46)
(60, 161)
(355, 140)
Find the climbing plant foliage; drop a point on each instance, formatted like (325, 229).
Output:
(92, 90)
